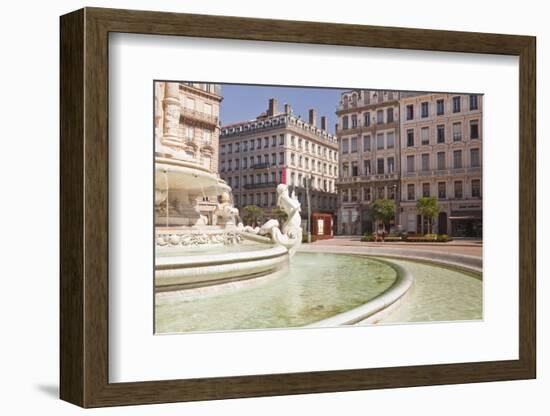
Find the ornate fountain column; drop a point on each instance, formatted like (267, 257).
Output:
(171, 104)
(159, 109)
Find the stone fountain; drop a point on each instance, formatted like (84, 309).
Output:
(198, 237)
(199, 240)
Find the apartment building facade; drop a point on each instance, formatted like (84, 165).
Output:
(279, 147)
(368, 134)
(187, 122)
(186, 130)
(441, 156)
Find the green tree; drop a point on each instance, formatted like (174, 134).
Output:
(253, 215)
(427, 207)
(383, 210)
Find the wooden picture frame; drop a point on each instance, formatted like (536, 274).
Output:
(84, 207)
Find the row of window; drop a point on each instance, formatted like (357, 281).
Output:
(458, 190)
(212, 88)
(278, 121)
(380, 117)
(274, 178)
(191, 133)
(304, 163)
(383, 141)
(383, 165)
(256, 144)
(269, 200)
(368, 97)
(441, 160)
(252, 144)
(259, 124)
(440, 136)
(259, 178)
(264, 161)
(197, 105)
(387, 165)
(315, 148)
(325, 185)
(379, 192)
(456, 107)
(369, 193)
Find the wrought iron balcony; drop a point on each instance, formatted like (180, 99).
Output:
(260, 185)
(263, 165)
(441, 172)
(370, 177)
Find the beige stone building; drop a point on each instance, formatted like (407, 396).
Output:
(368, 134)
(187, 122)
(441, 154)
(186, 129)
(279, 147)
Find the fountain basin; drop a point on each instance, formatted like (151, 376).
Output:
(315, 287)
(326, 289)
(181, 175)
(402, 284)
(227, 264)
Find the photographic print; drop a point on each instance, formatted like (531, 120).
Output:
(290, 206)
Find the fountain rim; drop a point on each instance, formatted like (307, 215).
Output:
(375, 309)
(177, 262)
(403, 282)
(372, 311)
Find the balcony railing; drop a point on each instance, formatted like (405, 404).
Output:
(260, 185)
(384, 176)
(371, 177)
(263, 165)
(351, 104)
(347, 105)
(442, 172)
(200, 116)
(372, 127)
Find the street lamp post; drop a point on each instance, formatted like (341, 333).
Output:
(396, 198)
(308, 183)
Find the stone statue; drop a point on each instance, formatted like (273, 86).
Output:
(291, 234)
(225, 213)
(197, 219)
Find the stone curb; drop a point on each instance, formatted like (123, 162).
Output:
(402, 284)
(369, 311)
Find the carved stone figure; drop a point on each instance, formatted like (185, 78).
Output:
(291, 234)
(225, 213)
(195, 239)
(201, 219)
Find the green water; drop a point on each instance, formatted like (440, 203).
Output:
(318, 286)
(439, 294)
(315, 287)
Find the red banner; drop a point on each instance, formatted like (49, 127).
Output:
(283, 175)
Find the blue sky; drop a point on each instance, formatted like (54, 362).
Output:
(245, 102)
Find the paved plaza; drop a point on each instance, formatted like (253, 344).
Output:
(468, 247)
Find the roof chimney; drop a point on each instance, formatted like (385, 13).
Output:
(324, 123)
(312, 117)
(288, 110)
(272, 110)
